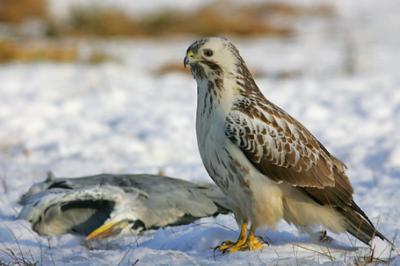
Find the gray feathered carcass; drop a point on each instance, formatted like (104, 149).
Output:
(107, 204)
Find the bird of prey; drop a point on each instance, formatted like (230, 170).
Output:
(108, 205)
(266, 162)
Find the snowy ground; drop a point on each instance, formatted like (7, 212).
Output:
(122, 117)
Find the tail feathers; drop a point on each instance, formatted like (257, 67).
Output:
(359, 225)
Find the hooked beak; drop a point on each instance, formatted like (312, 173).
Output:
(186, 61)
(108, 229)
(188, 58)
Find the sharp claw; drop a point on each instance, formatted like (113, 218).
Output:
(252, 244)
(264, 241)
(224, 246)
(324, 238)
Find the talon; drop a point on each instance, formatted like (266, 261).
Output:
(323, 237)
(229, 246)
(255, 243)
(251, 243)
(266, 242)
(224, 246)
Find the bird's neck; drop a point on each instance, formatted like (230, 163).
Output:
(214, 95)
(230, 85)
(246, 86)
(214, 102)
(219, 89)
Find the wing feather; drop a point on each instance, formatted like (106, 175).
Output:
(284, 150)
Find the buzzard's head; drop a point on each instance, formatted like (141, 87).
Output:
(212, 57)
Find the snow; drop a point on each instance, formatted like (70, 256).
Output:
(122, 117)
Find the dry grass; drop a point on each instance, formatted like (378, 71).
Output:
(16, 259)
(16, 11)
(94, 22)
(219, 17)
(213, 19)
(288, 10)
(29, 51)
(206, 21)
(98, 57)
(11, 51)
(16, 256)
(171, 67)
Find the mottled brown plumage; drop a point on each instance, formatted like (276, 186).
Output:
(263, 159)
(316, 172)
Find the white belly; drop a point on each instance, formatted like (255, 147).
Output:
(256, 198)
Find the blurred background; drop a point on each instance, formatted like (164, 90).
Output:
(76, 31)
(70, 30)
(91, 86)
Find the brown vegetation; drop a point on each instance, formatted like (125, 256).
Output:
(12, 51)
(171, 67)
(205, 21)
(28, 51)
(16, 11)
(214, 19)
(219, 17)
(288, 10)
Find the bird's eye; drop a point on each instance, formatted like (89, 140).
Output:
(208, 52)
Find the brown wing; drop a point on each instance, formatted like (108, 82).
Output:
(285, 151)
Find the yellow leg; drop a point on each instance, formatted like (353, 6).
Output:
(253, 242)
(234, 246)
